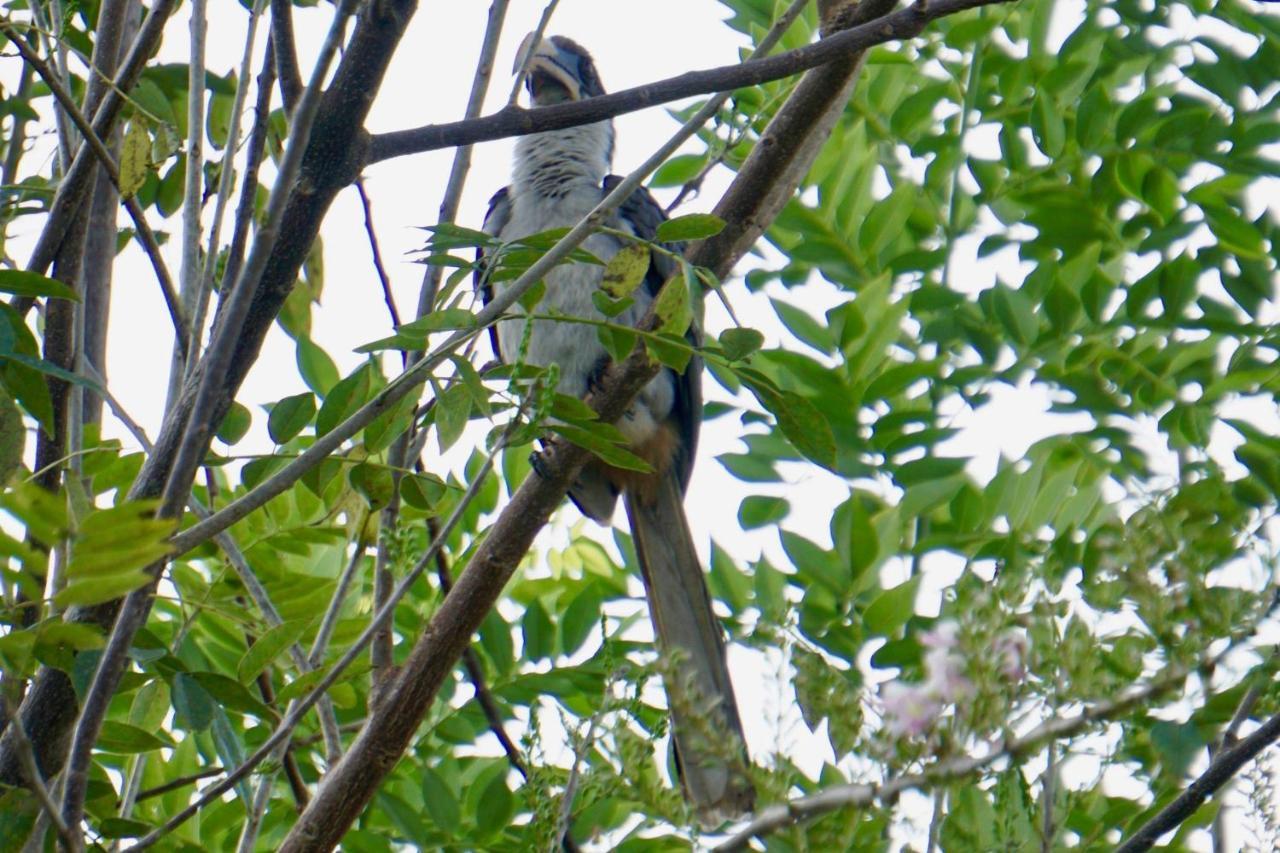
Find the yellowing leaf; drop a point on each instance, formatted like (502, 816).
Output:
(135, 154)
(626, 270)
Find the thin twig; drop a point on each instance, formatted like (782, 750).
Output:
(563, 822)
(253, 163)
(536, 36)
(175, 784)
(1048, 790)
(26, 754)
(378, 266)
(330, 619)
(201, 305)
(475, 672)
(193, 186)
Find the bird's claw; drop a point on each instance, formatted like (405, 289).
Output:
(538, 461)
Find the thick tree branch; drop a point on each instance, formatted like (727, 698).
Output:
(195, 438)
(1220, 771)
(515, 121)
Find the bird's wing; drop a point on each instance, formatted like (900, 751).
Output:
(642, 213)
(494, 221)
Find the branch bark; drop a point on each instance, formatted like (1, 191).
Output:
(515, 121)
(1220, 771)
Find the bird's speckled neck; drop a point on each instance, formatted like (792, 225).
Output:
(557, 162)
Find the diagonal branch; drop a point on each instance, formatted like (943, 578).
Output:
(836, 797)
(514, 121)
(1220, 771)
(286, 54)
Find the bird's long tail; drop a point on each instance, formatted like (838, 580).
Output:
(710, 749)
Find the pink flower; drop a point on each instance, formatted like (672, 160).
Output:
(944, 676)
(943, 635)
(909, 709)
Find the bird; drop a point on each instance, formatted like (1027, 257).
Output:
(557, 178)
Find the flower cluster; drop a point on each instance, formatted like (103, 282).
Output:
(912, 709)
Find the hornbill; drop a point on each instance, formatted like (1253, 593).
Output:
(557, 178)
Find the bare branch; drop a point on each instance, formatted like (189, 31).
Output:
(523, 71)
(28, 757)
(286, 53)
(201, 303)
(836, 797)
(1220, 771)
(515, 121)
(378, 266)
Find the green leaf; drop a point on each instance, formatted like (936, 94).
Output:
(580, 617)
(496, 806)
(135, 153)
(13, 438)
(421, 491)
(1015, 313)
(269, 647)
(344, 399)
(886, 219)
(760, 510)
(672, 305)
(800, 421)
(440, 320)
(626, 270)
(441, 801)
(891, 609)
(738, 343)
(1047, 125)
(192, 703)
(126, 739)
(23, 283)
(317, 369)
(290, 416)
(100, 588)
(235, 425)
(691, 226)
(539, 634)
(680, 169)
(452, 411)
(599, 441)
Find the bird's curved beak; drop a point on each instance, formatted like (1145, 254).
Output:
(549, 79)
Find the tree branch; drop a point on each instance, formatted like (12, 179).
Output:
(515, 121)
(830, 799)
(1220, 771)
(286, 53)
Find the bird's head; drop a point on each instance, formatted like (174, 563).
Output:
(560, 70)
